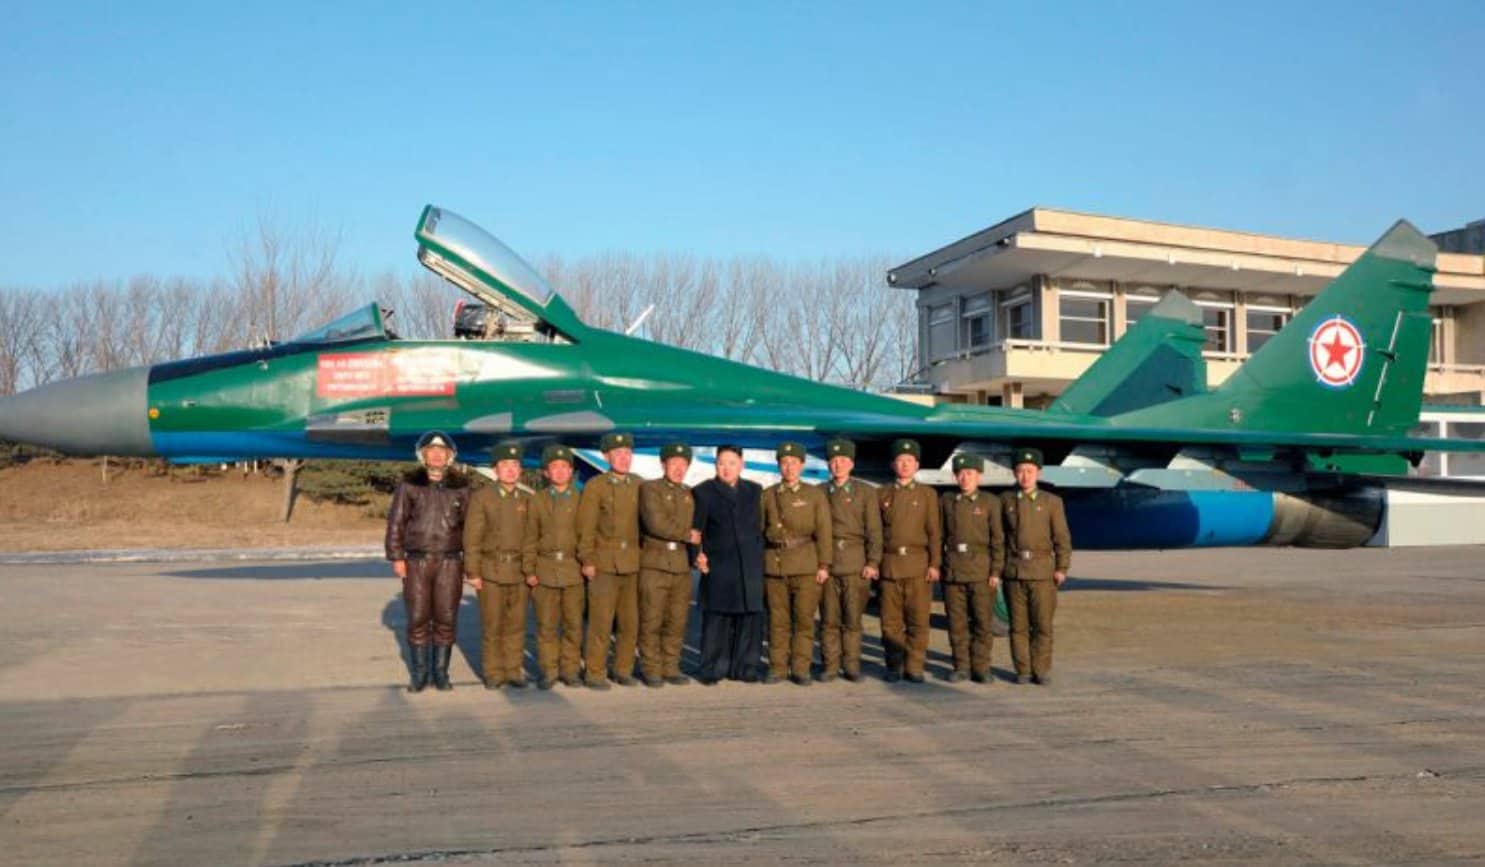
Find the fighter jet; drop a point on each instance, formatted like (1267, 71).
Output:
(1296, 448)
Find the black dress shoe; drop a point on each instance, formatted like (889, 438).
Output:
(626, 680)
(770, 678)
(913, 678)
(544, 683)
(571, 681)
(599, 684)
(1042, 679)
(516, 683)
(800, 679)
(678, 680)
(707, 681)
(494, 684)
(982, 677)
(654, 682)
(852, 676)
(892, 676)
(826, 678)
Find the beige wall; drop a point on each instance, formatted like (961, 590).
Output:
(1469, 334)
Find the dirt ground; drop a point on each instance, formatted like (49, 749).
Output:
(61, 507)
(1211, 707)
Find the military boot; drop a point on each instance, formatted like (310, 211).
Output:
(419, 668)
(441, 668)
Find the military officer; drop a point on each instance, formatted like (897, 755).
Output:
(856, 530)
(974, 543)
(550, 562)
(912, 550)
(796, 566)
(425, 526)
(493, 537)
(608, 547)
(1038, 555)
(665, 510)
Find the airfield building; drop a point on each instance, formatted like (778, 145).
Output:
(1011, 314)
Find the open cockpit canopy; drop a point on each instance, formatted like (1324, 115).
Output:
(479, 263)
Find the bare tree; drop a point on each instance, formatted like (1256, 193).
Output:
(21, 314)
(286, 283)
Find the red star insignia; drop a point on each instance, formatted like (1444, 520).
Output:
(1336, 351)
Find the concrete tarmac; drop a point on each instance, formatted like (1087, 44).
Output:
(1235, 706)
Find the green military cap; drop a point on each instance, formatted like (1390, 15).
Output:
(841, 448)
(510, 451)
(969, 462)
(675, 450)
(1028, 456)
(907, 447)
(789, 450)
(613, 441)
(556, 452)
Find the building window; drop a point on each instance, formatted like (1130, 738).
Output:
(977, 315)
(1216, 318)
(1017, 314)
(941, 331)
(1467, 463)
(1263, 323)
(1139, 302)
(1083, 317)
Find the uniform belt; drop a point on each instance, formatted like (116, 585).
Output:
(1032, 555)
(966, 547)
(841, 544)
(620, 544)
(557, 555)
(791, 544)
(442, 555)
(665, 545)
(507, 556)
(902, 550)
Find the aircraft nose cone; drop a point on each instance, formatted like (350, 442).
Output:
(102, 414)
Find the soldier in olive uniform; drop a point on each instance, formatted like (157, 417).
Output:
(856, 530)
(665, 510)
(796, 565)
(974, 542)
(608, 546)
(549, 560)
(492, 565)
(912, 548)
(425, 525)
(1038, 554)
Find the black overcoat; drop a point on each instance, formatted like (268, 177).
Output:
(732, 539)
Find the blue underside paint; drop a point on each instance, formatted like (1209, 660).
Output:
(1137, 518)
(202, 447)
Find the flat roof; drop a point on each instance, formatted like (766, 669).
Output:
(1098, 247)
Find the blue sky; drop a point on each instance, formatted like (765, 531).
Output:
(149, 138)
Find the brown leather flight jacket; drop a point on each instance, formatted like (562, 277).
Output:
(426, 517)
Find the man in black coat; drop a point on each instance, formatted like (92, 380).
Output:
(729, 519)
